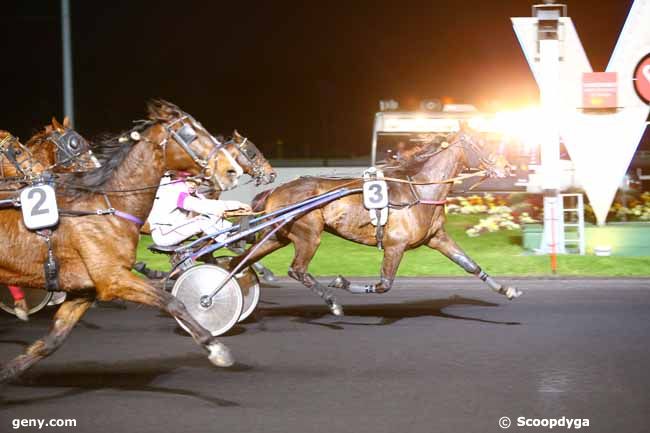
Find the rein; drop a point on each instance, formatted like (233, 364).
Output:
(184, 137)
(8, 152)
(412, 183)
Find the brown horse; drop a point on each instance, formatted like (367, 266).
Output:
(96, 252)
(253, 163)
(57, 148)
(416, 217)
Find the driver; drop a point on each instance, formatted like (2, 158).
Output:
(180, 212)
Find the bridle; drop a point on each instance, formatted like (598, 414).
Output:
(252, 158)
(469, 146)
(8, 150)
(69, 147)
(186, 135)
(481, 159)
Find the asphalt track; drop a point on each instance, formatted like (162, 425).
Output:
(433, 355)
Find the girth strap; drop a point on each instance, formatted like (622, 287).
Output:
(109, 211)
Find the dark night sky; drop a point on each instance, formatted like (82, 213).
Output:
(308, 73)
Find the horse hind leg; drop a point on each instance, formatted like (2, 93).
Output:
(321, 290)
(124, 285)
(65, 319)
(306, 241)
(393, 254)
(266, 273)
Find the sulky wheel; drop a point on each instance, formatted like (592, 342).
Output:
(226, 306)
(249, 283)
(37, 299)
(250, 287)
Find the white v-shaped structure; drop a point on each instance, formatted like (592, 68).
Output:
(601, 145)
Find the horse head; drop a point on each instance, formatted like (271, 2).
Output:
(66, 150)
(15, 158)
(478, 154)
(251, 159)
(191, 148)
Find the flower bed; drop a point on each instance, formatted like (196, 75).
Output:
(502, 212)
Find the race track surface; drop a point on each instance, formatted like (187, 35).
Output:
(433, 355)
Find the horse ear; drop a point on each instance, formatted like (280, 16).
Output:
(48, 129)
(155, 109)
(159, 109)
(66, 122)
(236, 135)
(56, 125)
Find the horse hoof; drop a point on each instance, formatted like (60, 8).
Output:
(512, 293)
(268, 276)
(339, 283)
(21, 310)
(7, 374)
(21, 314)
(220, 355)
(337, 309)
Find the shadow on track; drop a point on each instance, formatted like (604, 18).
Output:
(388, 313)
(137, 375)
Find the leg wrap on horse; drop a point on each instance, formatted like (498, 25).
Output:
(341, 282)
(509, 292)
(471, 267)
(489, 281)
(466, 263)
(16, 293)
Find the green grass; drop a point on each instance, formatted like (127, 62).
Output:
(497, 253)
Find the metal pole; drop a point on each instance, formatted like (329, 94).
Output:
(68, 95)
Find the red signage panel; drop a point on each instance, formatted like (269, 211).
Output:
(642, 79)
(599, 90)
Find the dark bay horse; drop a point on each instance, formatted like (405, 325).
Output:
(96, 252)
(57, 148)
(416, 216)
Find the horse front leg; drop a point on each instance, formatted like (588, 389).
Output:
(392, 257)
(448, 247)
(65, 318)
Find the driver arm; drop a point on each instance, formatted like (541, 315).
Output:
(207, 206)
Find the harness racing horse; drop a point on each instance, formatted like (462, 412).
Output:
(416, 217)
(96, 252)
(57, 148)
(258, 168)
(249, 160)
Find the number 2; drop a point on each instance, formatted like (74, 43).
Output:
(36, 210)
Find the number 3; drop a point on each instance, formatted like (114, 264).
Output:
(378, 197)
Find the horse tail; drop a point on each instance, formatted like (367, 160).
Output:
(259, 201)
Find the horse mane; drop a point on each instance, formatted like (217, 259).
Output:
(414, 162)
(111, 151)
